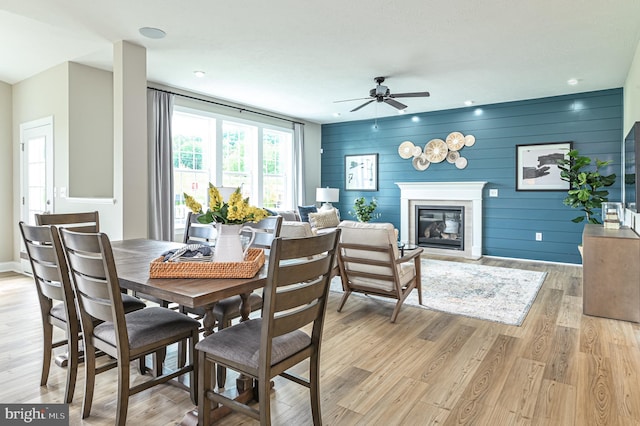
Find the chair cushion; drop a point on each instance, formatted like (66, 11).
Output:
(229, 308)
(241, 344)
(147, 326)
(291, 215)
(406, 273)
(131, 303)
(324, 219)
(57, 311)
(304, 211)
(292, 229)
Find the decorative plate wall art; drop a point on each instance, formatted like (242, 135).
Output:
(421, 163)
(437, 150)
(455, 141)
(405, 150)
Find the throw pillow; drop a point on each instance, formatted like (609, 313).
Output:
(304, 212)
(324, 219)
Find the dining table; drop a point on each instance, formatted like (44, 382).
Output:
(133, 258)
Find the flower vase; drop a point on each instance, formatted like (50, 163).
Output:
(229, 245)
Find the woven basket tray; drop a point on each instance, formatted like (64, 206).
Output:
(246, 269)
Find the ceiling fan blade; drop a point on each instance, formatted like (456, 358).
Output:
(394, 103)
(363, 105)
(349, 100)
(411, 95)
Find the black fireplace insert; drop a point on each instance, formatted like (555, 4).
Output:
(440, 227)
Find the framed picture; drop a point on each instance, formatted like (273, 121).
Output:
(537, 166)
(361, 172)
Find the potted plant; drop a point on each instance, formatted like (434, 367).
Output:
(586, 184)
(364, 211)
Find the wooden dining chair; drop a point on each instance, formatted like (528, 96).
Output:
(125, 337)
(79, 222)
(295, 297)
(370, 263)
(56, 297)
(57, 306)
(198, 233)
(228, 309)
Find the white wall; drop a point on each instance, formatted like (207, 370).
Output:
(90, 132)
(7, 222)
(43, 95)
(632, 93)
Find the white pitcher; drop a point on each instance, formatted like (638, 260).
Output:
(229, 245)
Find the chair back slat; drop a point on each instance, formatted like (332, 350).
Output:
(298, 295)
(44, 253)
(266, 230)
(78, 222)
(294, 320)
(48, 273)
(296, 272)
(198, 233)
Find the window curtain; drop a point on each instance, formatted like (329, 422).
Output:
(161, 167)
(298, 165)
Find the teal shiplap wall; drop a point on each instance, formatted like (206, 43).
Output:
(592, 121)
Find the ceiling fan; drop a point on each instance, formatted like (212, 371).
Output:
(382, 93)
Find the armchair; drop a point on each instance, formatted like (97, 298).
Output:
(370, 263)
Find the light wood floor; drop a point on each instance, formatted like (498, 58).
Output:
(559, 368)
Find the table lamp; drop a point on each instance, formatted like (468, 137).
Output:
(327, 196)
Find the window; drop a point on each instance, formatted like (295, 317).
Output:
(232, 153)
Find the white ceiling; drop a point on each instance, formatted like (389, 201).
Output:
(297, 57)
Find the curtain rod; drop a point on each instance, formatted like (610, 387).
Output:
(240, 109)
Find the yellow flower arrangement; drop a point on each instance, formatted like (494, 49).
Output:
(235, 211)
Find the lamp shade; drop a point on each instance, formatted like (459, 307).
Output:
(327, 195)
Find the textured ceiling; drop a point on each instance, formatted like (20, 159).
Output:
(298, 57)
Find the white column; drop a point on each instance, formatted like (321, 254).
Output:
(130, 139)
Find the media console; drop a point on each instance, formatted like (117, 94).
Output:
(611, 273)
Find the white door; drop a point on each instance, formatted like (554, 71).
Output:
(36, 192)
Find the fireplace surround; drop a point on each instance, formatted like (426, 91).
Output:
(466, 195)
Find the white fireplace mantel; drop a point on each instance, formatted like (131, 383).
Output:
(444, 191)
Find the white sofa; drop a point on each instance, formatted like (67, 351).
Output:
(321, 222)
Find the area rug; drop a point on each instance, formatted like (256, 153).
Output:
(490, 293)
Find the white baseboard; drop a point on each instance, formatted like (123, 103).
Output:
(11, 267)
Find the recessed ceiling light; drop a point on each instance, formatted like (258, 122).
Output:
(151, 32)
(336, 114)
(199, 74)
(468, 102)
(572, 81)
